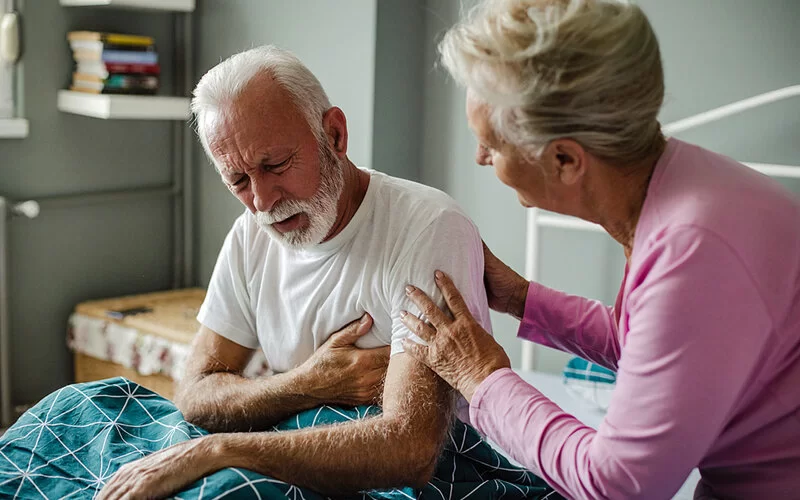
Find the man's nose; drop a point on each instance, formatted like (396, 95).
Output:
(265, 195)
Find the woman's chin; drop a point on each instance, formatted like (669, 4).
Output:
(525, 203)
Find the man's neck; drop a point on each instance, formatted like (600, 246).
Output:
(356, 182)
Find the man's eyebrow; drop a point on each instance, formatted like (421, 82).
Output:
(228, 173)
(277, 154)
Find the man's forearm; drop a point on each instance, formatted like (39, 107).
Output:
(380, 452)
(228, 402)
(399, 448)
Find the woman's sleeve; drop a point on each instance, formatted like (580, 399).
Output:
(586, 328)
(697, 326)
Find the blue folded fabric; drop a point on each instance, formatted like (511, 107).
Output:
(74, 440)
(589, 382)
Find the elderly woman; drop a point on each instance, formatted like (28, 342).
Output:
(563, 97)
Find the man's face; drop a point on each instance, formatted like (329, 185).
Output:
(270, 159)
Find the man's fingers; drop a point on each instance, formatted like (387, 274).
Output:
(352, 332)
(109, 490)
(451, 295)
(117, 486)
(379, 356)
(427, 307)
(384, 352)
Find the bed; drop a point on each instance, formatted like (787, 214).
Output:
(74, 440)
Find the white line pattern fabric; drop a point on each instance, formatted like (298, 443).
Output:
(73, 441)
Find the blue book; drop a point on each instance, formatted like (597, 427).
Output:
(118, 56)
(130, 57)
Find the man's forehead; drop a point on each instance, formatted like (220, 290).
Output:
(261, 124)
(235, 149)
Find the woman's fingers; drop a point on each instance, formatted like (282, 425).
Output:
(451, 295)
(427, 307)
(416, 351)
(416, 325)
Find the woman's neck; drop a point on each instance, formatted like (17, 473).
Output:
(620, 197)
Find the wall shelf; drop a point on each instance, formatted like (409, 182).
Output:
(162, 5)
(13, 128)
(124, 107)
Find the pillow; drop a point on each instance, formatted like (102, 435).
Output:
(589, 382)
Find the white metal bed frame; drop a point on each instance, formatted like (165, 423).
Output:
(537, 218)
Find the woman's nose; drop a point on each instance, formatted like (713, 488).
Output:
(482, 156)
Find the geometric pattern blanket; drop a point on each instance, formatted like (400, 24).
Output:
(74, 440)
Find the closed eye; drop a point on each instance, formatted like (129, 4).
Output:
(238, 185)
(277, 167)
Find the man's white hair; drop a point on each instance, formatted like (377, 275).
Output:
(226, 81)
(589, 70)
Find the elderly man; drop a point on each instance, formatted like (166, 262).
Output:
(322, 247)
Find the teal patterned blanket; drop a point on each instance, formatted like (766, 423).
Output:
(74, 440)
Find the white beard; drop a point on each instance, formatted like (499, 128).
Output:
(321, 209)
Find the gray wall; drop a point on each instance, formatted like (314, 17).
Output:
(68, 255)
(336, 40)
(364, 53)
(399, 79)
(715, 52)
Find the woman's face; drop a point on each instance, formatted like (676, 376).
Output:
(535, 187)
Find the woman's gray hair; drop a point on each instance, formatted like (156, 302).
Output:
(225, 81)
(589, 70)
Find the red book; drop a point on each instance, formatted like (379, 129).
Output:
(104, 69)
(142, 69)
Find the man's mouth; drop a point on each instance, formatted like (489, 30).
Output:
(287, 225)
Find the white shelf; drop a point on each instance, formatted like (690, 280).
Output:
(165, 5)
(13, 128)
(124, 107)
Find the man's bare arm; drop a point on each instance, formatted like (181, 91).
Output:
(398, 448)
(215, 395)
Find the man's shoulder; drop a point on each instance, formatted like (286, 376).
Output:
(416, 202)
(410, 217)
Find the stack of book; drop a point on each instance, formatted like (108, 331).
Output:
(110, 63)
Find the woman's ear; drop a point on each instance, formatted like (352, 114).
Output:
(335, 125)
(569, 159)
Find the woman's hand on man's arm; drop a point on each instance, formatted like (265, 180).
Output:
(458, 349)
(505, 289)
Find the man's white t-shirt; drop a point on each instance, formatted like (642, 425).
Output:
(288, 301)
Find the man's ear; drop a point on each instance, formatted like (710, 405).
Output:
(335, 125)
(569, 159)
